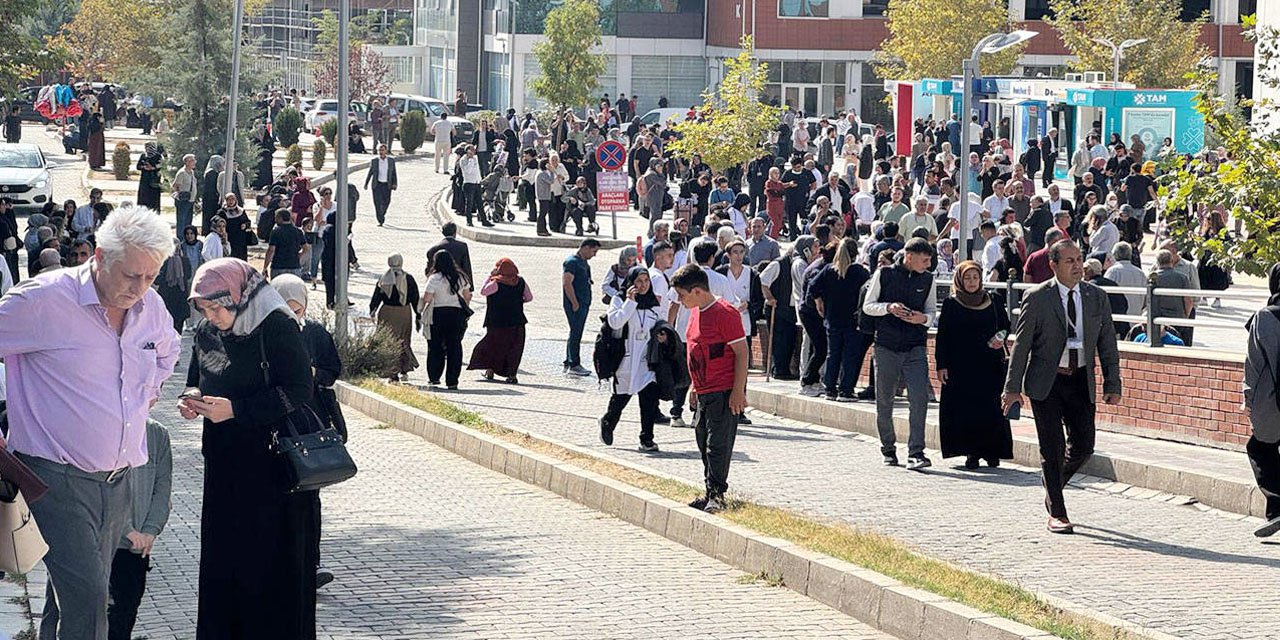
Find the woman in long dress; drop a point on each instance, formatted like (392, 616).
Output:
(149, 180)
(500, 350)
(395, 305)
(257, 541)
(970, 358)
(97, 143)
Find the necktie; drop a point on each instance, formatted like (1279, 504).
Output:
(1073, 355)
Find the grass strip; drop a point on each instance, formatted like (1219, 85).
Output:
(866, 549)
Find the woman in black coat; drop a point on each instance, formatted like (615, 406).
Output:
(210, 198)
(257, 541)
(149, 180)
(969, 354)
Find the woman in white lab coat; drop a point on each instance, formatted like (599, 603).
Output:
(632, 315)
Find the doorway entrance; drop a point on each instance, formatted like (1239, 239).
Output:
(803, 97)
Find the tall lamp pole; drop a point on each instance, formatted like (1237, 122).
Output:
(237, 36)
(1117, 53)
(990, 44)
(344, 201)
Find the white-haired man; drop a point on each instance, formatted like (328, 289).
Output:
(80, 423)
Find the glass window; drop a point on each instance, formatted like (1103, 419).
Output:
(803, 8)
(833, 72)
(1248, 8)
(1037, 10)
(873, 109)
(679, 79)
(773, 71)
(874, 8)
(802, 72)
(1192, 9)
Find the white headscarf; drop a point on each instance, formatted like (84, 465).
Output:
(394, 280)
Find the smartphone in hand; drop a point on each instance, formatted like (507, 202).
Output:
(1014, 412)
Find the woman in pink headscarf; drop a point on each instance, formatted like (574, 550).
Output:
(249, 368)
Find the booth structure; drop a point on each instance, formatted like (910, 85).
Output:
(1022, 109)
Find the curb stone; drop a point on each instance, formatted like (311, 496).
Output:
(444, 214)
(873, 598)
(1228, 494)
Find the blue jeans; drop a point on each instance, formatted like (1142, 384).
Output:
(846, 349)
(185, 212)
(577, 322)
(317, 248)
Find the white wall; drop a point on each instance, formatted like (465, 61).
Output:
(1268, 15)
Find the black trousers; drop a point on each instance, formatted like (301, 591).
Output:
(540, 214)
(782, 340)
(1068, 407)
(1265, 459)
(381, 200)
(648, 410)
(1049, 162)
(556, 215)
(759, 201)
(715, 427)
(471, 201)
(128, 583)
(444, 349)
(817, 333)
(530, 200)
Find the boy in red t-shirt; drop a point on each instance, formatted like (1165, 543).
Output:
(718, 370)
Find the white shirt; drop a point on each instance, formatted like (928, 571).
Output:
(990, 254)
(975, 134)
(470, 169)
(1078, 342)
(383, 164)
(975, 217)
(443, 130)
(837, 201)
(738, 220)
(1055, 206)
(864, 206)
(213, 247)
(1098, 151)
(82, 219)
(658, 281)
(742, 289)
(995, 205)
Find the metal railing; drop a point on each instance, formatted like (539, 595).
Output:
(1148, 319)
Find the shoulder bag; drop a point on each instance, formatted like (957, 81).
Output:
(21, 545)
(315, 456)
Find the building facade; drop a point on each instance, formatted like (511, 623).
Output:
(819, 51)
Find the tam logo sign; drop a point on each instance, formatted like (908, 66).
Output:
(1150, 98)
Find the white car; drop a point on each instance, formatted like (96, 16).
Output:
(663, 117)
(24, 176)
(323, 111)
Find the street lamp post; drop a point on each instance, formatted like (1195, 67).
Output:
(990, 44)
(237, 36)
(340, 189)
(1117, 52)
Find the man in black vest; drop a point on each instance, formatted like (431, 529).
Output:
(902, 300)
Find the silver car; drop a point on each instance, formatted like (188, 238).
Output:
(24, 176)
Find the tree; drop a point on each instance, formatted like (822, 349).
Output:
(108, 38)
(23, 55)
(49, 18)
(735, 122)
(932, 38)
(196, 72)
(1246, 187)
(1171, 50)
(369, 73)
(570, 71)
(413, 131)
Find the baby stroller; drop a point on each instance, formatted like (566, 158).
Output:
(492, 196)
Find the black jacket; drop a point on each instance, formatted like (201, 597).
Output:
(461, 255)
(667, 361)
(846, 201)
(372, 175)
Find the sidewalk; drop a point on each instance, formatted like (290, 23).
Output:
(521, 232)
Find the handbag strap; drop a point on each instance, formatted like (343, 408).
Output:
(266, 375)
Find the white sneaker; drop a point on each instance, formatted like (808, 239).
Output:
(813, 390)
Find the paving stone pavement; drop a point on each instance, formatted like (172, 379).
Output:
(427, 544)
(1172, 568)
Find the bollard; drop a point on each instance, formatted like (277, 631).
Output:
(1008, 294)
(1154, 335)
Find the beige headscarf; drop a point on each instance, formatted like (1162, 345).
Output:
(394, 282)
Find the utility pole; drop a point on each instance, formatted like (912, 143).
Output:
(237, 36)
(339, 233)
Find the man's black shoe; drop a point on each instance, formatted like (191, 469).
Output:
(606, 432)
(891, 460)
(867, 394)
(661, 419)
(323, 577)
(743, 419)
(699, 503)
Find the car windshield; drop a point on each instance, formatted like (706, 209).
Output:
(19, 158)
(436, 109)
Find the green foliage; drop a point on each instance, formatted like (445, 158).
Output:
(738, 123)
(24, 55)
(570, 71)
(288, 123)
(413, 131)
(293, 155)
(329, 131)
(1246, 188)
(476, 117)
(369, 352)
(196, 72)
(120, 161)
(1171, 50)
(318, 154)
(932, 38)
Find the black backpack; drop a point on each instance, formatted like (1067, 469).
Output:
(609, 351)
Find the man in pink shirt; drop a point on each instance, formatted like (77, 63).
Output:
(86, 350)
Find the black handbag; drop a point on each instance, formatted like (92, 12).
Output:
(314, 455)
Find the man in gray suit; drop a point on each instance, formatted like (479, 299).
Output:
(382, 173)
(1063, 323)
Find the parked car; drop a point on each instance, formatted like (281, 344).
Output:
(324, 110)
(433, 109)
(24, 175)
(25, 102)
(663, 116)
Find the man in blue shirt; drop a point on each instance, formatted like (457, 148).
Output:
(576, 286)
